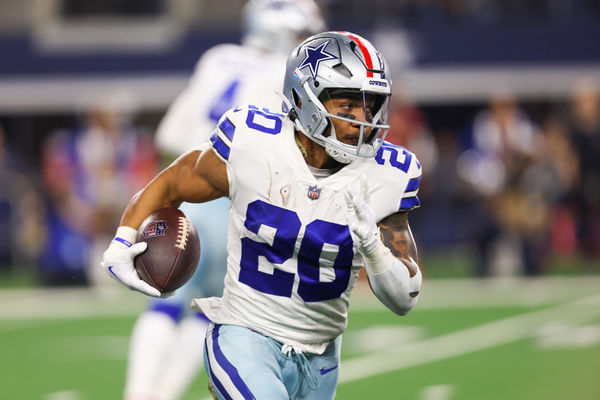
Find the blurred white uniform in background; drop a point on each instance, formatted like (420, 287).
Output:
(166, 348)
(224, 76)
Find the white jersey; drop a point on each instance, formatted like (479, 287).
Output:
(291, 262)
(225, 76)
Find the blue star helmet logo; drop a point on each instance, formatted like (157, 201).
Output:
(314, 56)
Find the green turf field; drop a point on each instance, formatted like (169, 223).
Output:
(467, 339)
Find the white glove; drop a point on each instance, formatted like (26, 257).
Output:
(364, 229)
(365, 232)
(361, 218)
(117, 260)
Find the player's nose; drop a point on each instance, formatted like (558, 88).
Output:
(360, 116)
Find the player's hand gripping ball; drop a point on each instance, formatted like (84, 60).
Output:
(173, 249)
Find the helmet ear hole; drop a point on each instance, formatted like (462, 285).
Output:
(296, 98)
(342, 69)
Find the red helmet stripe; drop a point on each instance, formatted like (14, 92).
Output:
(364, 51)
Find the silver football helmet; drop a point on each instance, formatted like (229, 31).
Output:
(333, 64)
(279, 25)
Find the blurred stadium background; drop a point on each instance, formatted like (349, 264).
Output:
(498, 98)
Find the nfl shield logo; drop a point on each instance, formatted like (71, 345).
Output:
(155, 228)
(313, 192)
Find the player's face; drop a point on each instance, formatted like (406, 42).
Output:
(351, 106)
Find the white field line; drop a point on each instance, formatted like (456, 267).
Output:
(469, 340)
(442, 294)
(39, 304)
(36, 304)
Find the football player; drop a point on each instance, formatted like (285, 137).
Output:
(165, 351)
(312, 190)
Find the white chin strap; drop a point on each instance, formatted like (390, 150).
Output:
(339, 155)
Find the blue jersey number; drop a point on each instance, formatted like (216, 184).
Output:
(285, 226)
(397, 156)
(267, 121)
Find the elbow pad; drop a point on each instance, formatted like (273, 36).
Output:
(394, 285)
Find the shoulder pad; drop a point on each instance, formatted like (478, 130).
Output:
(405, 163)
(397, 157)
(243, 121)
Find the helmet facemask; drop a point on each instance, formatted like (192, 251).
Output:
(369, 113)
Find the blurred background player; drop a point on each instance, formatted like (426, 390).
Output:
(504, 148)
(21, 209)
(166, 348)
(85, 169)
(582, 121)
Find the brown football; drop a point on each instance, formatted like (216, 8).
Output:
(173, 249)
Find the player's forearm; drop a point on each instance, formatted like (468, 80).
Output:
(396, 282)
(395, 278)
(165, 190)
(157, 194)
(392, 268)
(194, 177)
(395, 239)
(397, 236)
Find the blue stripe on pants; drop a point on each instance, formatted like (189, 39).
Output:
(228, 367)
(213, 377)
